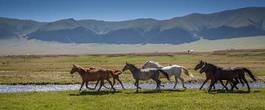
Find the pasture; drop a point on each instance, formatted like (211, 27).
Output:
(129, 100)
(56, 69)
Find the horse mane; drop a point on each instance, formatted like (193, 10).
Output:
(156, 63)
(132, 65)
(80, 67)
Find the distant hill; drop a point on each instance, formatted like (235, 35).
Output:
(220, 25)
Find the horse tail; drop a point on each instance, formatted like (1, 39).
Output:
(249, 73)
(165, 73)
(187, 72)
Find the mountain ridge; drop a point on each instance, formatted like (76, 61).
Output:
(220, 25)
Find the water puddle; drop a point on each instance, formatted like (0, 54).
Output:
(35, 88)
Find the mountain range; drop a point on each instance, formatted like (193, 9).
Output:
(234, 23)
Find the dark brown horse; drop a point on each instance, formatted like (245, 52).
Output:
(241, 75)
(92, 75)
(218, 74)
(229, 74)
(208, 75)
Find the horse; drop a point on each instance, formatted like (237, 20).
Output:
(92, 75)
(241, 74)
(207, 74)
(144, 74)
(230, 74)
(172, 70)
(114, 74)
(218, 73)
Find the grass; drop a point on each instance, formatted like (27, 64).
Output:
(55, 69)
(128, 100)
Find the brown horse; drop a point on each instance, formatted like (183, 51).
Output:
(207, 74)
(210, 75)
(92, 75)
(218, 74)
(115, 74)
(230, 74)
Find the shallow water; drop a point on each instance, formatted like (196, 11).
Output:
(34, 88)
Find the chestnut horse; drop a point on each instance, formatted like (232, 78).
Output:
(115, 74)
(92, 75)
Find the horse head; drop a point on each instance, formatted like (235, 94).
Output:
(204, 69)
(126, 67)
(76, 68)
(199, 65)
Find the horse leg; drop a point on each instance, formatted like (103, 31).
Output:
(101, 84)
(204, 83)
(176, 79)
(182, 81)
(211, 85)
(88, 87)
(223, 85)
(226, 83)
(112, 85)
(120, 83)
(96, 85)
(105, 86)
(114, 82)
(244, 79)
(136, 84)
(240, 80)
(82, 84)
(158, 82)
(236, 82)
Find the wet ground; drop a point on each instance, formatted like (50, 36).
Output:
(33, 88)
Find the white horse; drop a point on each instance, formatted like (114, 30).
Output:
(171, 70)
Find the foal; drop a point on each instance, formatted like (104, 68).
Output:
(115, 74)
(92, 75)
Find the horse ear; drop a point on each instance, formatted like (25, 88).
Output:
(74, 65)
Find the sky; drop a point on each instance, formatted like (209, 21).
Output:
(115, 10)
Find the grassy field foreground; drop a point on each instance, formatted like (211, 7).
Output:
(127, 99)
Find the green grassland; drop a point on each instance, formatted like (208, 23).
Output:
(55, 69)
(129, 100)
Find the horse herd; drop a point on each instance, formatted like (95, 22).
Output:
(152, 70)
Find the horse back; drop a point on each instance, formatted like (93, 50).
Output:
(95, 75)
(225, 73)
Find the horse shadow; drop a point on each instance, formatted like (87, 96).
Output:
(222, 91)
(84, 93)
(158, 91)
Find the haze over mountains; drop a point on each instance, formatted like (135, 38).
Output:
(242, 22)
